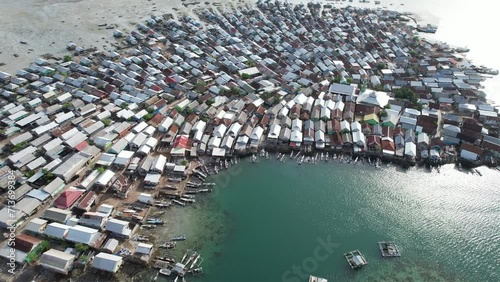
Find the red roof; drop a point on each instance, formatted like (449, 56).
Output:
(67, 198)
(181, 142)
(81, 146)
(171, 80)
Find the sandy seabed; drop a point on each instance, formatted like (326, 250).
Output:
(46, 26)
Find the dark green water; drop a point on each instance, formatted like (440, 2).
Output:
(271, 221)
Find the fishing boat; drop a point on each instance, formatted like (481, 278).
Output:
(141, 238)
(355, 259)
(197, 271)
(388, 249)
(427, 28)
(179, 203)
(155, 221)
(167, 245)
(162, 204)
(316, 279)
(165, 271)
(170, 260)
(178, 238)
(187, 200)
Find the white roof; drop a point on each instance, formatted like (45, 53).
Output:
(56, 229)
(107, 262)
(372, 97)
(105, 177)
(81, 234)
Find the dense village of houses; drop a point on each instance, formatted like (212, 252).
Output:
(277, 77)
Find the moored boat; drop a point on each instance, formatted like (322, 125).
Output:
(165, 271)
(167, 245)
(179, 238)
(388, 249)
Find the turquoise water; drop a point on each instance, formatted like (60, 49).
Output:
(276, 214)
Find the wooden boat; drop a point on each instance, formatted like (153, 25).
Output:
(179, 238)
(316, 279)
(167, 245)
(355, 259)
(165, 271)
(170, 260)
(388, 249)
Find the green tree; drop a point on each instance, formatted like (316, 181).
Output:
(189, 111)
(123, 105)
(101, 169)
(349, 80)
(150, 110)
(379, 87)
(80, 247)
(381, 66)
(148, 116)
(184, 162)
(67, 106)
(210, 102)
(383, 113)
(235, 90)
(405, 93)
(250, 63)
(67, 58)
(106, 121)
(245, 76)
(337, 79)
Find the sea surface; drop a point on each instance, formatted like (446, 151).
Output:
(275, 221)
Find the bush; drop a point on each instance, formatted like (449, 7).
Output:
(81, 247)
(405, 93)
(235, 90)
(106, 121)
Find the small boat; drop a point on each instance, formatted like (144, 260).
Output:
(165, 271)
(316, 279)
(197, 271)
(178, 238)
(179, 203)
(155, 221)
(459, 166)
(355, 259)
(477, 171)
(167, 245)
(148, 226)
(427, 29)
(187, 200)
(141, 238)
(388, 249)
(170, 260)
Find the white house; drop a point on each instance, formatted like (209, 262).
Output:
(107, 262)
